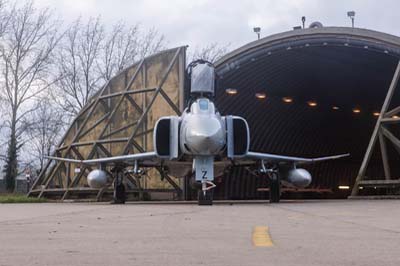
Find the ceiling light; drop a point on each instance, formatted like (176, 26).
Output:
(287, 99)
(376, 113)
(344, 187)
(261, 95)
(231, 91)
(335, 108)
(312, 103)
(395, 116)
(356, 110)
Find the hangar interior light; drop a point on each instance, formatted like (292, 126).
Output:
(344, 187)
(287, 100)
(231, 91)
(312, 103)
(261, 95)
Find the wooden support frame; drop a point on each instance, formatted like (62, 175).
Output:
(380, 132)
(136, 82)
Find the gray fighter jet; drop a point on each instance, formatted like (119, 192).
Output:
(201, 143)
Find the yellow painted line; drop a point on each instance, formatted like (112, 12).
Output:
(261, 237)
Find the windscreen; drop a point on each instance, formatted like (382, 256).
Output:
(203, 78)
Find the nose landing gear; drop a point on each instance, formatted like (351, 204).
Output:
(205, 195)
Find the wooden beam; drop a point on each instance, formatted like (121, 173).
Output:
(119, 130)
(104, 117)
(170, 102)
(124, 93)
(104, 150)
(99, 195)
(134, 104)
(144, 115)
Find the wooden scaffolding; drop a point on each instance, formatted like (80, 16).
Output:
(118, 120)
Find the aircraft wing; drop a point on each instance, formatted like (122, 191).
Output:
(121, 158)
(288, 159)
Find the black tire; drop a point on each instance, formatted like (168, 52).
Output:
(119, 194)
(205, 200)
(274, 188)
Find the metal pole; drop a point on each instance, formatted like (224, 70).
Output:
(375, 133)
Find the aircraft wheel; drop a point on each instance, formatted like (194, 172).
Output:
(274, 188)
(119, 196)
(205, 200)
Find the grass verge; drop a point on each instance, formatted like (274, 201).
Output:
(19, 198)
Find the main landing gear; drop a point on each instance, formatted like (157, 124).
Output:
(205, 195)
(272, 171)
(274, 187)
(119, 196)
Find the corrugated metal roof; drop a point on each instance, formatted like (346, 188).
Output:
(344, 67)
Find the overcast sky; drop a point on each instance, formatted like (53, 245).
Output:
(198, 22)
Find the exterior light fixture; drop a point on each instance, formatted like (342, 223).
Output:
(312, 103)
(351, 15)
(231, 91)
(303, 21)
(287, 100)
(257, 30)
(344, 187)
(376, 113)
(335, 108)
(356, 110)
(261, 95)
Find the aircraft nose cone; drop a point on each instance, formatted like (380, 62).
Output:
(205, 138)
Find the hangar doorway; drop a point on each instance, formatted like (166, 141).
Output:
(323, 89)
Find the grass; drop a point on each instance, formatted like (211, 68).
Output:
(19, 198)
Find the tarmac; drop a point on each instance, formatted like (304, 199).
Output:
(334, 232)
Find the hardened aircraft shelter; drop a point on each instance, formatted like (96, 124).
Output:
(307, 92)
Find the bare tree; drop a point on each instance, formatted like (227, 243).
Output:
(47, 124)
(211, 52)
(150, 42)
(124, 46)
(26, 52)
(90, 56)
(119, 50)
(77, 57)
(4, 20)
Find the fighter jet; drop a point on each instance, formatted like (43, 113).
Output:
(201, 143)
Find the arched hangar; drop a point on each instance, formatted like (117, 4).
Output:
(323, 87)
(307, 92)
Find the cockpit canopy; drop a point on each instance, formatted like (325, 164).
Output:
(203, 79)
(202, 106)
